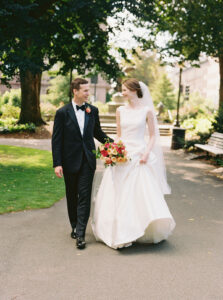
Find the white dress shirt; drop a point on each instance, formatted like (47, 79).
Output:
(80, 114)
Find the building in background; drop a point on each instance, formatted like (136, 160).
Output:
(15, 84)
(204, 80)
(99, 90)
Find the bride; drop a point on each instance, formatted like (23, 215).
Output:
(130, 205)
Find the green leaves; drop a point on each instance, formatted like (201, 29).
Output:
(35, 36)
(195, 27)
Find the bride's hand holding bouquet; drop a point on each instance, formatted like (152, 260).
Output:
(144, 158)
(112, 153)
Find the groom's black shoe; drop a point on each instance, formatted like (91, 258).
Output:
(80, 242)
(73, 233)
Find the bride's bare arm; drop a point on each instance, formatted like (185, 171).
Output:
(118, 124)
(151, 127)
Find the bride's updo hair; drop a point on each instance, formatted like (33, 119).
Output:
(133, 85)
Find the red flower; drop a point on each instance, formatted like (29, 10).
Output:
(104, 153)
(88, 109)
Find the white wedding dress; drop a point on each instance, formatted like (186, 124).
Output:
(129, 205)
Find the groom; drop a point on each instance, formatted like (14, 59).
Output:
(75, 126)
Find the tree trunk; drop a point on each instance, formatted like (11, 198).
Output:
(221, 80)
(30, 98)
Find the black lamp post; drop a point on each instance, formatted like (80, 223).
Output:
(178, 136)
(94, 80)
(178, 98)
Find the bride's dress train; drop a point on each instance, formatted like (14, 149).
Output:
(129, 205)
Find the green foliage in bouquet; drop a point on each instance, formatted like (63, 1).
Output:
(97, 153)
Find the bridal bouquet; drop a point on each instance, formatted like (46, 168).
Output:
(112, 153)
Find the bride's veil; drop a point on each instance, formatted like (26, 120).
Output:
(160, 169)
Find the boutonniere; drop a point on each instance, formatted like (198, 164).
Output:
(88, 109)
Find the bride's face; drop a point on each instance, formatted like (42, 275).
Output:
(128, 94)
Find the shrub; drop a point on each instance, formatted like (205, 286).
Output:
(218, 121)
(102, 107)
(12, 97)
(199, 125)
(202, 138)
(8, 121)
(48, 111)
(10, 111)
(197, 116)
(58, 91)
(11, 127)
(195, 107)
(218, 161)
(198, 130)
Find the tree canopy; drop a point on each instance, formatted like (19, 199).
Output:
(36, 34)
(195, 28)
(146, 67)
(163, 91)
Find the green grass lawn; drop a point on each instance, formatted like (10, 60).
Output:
(27, 179)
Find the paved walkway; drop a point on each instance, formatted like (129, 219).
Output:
(39, 260)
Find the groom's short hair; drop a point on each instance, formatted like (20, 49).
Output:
(75, 84)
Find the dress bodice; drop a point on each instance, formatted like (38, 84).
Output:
(133, 123)
(133, 128)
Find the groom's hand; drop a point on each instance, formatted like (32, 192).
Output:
(59, 171)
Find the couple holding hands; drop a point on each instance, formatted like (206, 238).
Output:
(129, 205)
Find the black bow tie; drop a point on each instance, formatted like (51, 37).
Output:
(82, 107)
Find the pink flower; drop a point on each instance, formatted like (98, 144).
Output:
(108, 161)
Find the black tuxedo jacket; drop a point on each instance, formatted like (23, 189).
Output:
(68, 145)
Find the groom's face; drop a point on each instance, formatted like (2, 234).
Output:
(83, 93)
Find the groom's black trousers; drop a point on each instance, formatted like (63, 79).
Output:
(78, 193)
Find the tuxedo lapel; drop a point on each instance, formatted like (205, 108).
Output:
(86, 121)
(73, 117)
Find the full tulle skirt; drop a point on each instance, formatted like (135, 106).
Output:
(130, 206)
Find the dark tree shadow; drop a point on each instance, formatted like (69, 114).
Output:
(164, 247)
